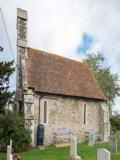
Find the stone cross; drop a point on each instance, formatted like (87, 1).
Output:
(103, 154)
(8, 152)
(113, 144)
(73, 149)
(91, 138)
(11, 146)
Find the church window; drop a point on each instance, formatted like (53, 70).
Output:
(45, 112)
(84, 114)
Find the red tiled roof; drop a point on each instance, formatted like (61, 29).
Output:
(54, 74)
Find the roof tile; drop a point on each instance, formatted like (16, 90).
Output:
(54, 74)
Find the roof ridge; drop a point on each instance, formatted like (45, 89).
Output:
(55, 55)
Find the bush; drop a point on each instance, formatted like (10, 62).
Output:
(115, 123)
(12, 127)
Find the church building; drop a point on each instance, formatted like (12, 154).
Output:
(59, 93)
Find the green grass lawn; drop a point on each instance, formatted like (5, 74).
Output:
(53, 153)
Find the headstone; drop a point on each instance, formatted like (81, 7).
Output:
(103, 154)
(73, 149)
(11, 157)
(73, 146)
(61, 135)
(8, 152)
(11, 146)
(113, 144)
(91, 138)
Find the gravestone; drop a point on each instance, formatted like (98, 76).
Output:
(11, 146)
(61, 135)
(113, 144)
(8, 152)
(91, 138)
(73, 149)
(103, 154)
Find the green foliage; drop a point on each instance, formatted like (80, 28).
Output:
(12, 127)
(6, 95)
(1, 49)
(107, 80)
(115, 123)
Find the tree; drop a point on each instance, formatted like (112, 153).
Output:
(107, 80)
(115, 122)
(13, 127)
(1, 49)
(6, 69)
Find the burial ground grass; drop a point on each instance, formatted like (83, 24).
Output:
(53, 153)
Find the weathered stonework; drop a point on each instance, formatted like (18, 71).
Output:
(104, 122)
(67, 113)
(21, 79)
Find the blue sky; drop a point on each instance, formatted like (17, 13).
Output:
(68, 28)
(86, 44)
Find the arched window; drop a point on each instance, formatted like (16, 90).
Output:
(84, 114)
(45, 112)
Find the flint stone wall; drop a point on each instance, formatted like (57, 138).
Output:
(65, 113)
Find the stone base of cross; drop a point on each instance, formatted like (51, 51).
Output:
(75, 158)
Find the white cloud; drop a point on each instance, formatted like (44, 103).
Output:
(58, 25)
